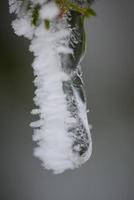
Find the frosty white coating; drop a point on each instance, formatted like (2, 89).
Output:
(62, 132)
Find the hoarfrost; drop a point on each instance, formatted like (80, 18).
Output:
(62, 132)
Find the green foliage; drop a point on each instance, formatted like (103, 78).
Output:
(35, 15)
(47, 23)
(84, 11)
(90, 12)
(65, 6)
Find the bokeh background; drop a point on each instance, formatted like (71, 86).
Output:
(109, 81)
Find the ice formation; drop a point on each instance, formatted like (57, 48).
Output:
(62, 132)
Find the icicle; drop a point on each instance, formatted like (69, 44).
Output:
(62, 133)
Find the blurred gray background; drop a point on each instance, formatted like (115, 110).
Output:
(109, 81)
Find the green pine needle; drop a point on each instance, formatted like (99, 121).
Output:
(47, 23)
(66, 5)
(35, 15)
(87, 12)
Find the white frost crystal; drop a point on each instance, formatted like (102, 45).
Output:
(49, 11)
(39, 1)
(14, 6)
(62, 131)
(23, 27)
